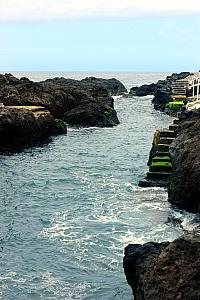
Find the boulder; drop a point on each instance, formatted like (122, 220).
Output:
(143, 90)
(88, 99)
(164, 271)
(21, 128)
(137, 259)
(113, 86)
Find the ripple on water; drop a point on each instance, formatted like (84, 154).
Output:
(69, 208)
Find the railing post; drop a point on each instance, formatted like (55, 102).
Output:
(193, 87)
(198, 89)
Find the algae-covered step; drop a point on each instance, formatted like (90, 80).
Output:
(174, 104)
(161, 159)
(160, 166)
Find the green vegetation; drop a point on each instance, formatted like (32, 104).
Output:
(175, 104)
(161, 164)
(109, 112)
(162, 158)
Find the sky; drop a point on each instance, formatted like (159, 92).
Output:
(88, 35)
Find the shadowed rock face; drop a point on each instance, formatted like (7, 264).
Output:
(184, 186)
(166, 271)
(83, 102)
(20, 128)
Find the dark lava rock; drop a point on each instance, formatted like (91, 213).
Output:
(143, 90)
(20, 128)
(145, 183)
(86, 113)
(88, 99)
(164, 271)
(113, 86)
(137, 260)
(184, 186)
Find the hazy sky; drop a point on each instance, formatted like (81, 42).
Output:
(88, 35)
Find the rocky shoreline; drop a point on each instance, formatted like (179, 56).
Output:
(171, 270)
(162, 91)
(164, 270)
(31, 112)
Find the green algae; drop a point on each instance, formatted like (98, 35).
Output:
(175, 104)
(162, 158)
(161, 164)
(108, 112)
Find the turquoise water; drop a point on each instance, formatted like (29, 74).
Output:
(69, 208)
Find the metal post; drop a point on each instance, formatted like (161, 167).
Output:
(198, 89)
(193, 87)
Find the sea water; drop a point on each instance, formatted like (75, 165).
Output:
(69, 207)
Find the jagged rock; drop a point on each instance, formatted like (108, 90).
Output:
(143, 90)
(137, 260)
(20, 128)
(164, 271)
(184, 186)
(88, 99)
(161, 98)
(113, 86)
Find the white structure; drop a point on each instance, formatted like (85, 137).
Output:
(196, 83)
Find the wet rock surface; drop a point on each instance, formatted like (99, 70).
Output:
(166, 270)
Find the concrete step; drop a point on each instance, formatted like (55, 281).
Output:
(178, 95)
(179, 98)
(161, 158)
(178, 86)
(168, 134)
(166, 140)
(151, 183)
(178, 92)
(163, 147)
(173, 127)
(176, 121)
(162, 153)
(178, 82)
(158, 175)
(160, 169)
